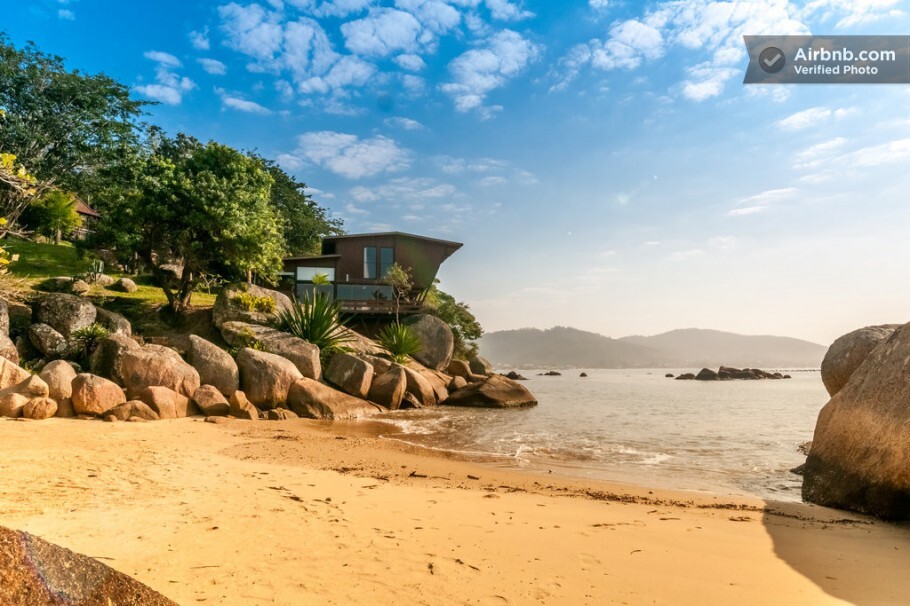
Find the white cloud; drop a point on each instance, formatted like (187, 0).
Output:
(416, 192)
(66, 14)
(706, 81)
(811, 117)
(170, 87)
(819, 153)
(477, 72)
(405, 123)
(436, 16)
(351, 157)
(850, 13)
(212, 66)
(252, 30)
(598, 4)
(761, 202)
(230, 101)
(493, 181)
(381, 33)
(410, 62)
(897, 151)
(200, 40)
(504, 10)
(630, 42)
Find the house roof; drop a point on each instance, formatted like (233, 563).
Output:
(84, 209)
(449, 243)
(311, 257)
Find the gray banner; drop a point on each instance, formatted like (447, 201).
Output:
(828, 59)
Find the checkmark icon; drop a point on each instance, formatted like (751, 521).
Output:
(771, 60)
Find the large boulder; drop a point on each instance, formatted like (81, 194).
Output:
(11, 374)
(350, 374)
(125, 285)
(438, 381)
(105, 361)
(8, 349)
(860, 456)
(115, 323)
(380, 365)
(314, 400)
(228, 306)
(94, 395)
(437, 343)
(65, 313)
(214, 365)
(15, 398)
(706, 374)
(459, 368)
(420, 387)
(33, 571)
(241, 407)
(303, 354)
(847, 353)
(211, 402)
(167, 403)
(157, 365)
(265, 377)
(49, 342)
(496, 391)
(388, 389)
(132, 409)
(59, 376)
(480, 365)
(39, 408)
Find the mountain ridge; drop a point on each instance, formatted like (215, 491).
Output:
(565, 347)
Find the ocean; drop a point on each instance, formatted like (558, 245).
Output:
(638, 427)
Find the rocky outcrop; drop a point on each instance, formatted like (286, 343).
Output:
(420, 387)
(436, 341)
(457, 383)
(11, 374)
(313, 400)
(105, 361)
(167, 403)
(281, 414)
(380, 365)
(65, 313)
(155, 365)
(266, 377)
(860, 456)
(211, 402)
(847, 353)
(496, 391)
(350, 374)
(241, 407)
(303, 354)
(459, 368)
(517, 377)
(8, 349)
(59, 376)
(227, 309)
(94, 395)
(388, 389)
(686, 376)
(132, 409)
(34, 572)
(706, 374)
(39, 408)
(214, 365)
(480, 365)
(15, 398)
(115, 323)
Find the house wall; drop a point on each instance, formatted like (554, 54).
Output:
(421, 257)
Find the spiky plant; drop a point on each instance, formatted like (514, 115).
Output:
(400, 340)
(317, 320)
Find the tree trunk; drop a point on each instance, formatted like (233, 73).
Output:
(57, 237)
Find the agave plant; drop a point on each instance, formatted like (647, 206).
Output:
(317, 320)
(400, 340)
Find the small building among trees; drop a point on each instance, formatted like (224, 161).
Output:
(353, 270)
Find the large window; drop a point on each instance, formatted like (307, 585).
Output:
(386, 258)
(308, 274)
(369, 262)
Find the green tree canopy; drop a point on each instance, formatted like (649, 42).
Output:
(458, 316)
(53, 215)
(63, 125)
(204, 207)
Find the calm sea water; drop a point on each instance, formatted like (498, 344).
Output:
(635, 426)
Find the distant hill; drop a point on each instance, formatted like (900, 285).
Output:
(686, 348)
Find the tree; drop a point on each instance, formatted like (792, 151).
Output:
(62, 125)
(53, 215)
(465, 327)
(400, 280)
(205, 207)
(17, 188)
(303, 221)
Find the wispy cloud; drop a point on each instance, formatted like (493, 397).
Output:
(348, 155)
(213, 66)
(233, 101)
(169, 87)
(763, 201)
(814, 116)
(405, 123)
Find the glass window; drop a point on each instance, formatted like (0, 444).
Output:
(306, 274)
(369, 262)
(386, 258)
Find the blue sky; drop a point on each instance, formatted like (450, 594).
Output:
(602, 161)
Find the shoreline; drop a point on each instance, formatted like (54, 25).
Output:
(308, 512)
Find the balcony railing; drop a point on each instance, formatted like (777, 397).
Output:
(378, 307)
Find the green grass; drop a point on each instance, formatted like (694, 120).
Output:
(40, 261)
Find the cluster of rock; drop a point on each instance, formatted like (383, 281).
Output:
(860, 453)
(728, 373)
(275, 375)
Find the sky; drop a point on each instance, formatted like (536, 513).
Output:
(601, 160)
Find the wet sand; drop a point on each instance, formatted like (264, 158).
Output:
(308, 513)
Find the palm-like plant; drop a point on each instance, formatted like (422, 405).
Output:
(400, 340)
(317, 320)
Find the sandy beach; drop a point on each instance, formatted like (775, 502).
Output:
(308, 513)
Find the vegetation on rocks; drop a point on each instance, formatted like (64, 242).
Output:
(400, 340)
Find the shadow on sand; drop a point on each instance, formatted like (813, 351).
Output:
(850, 557)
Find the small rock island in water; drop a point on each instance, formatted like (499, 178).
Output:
(727, 373)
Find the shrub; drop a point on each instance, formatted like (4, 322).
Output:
(316, 320)
(244, 340)
(250, 302)
(400, 340)
(89, 336)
